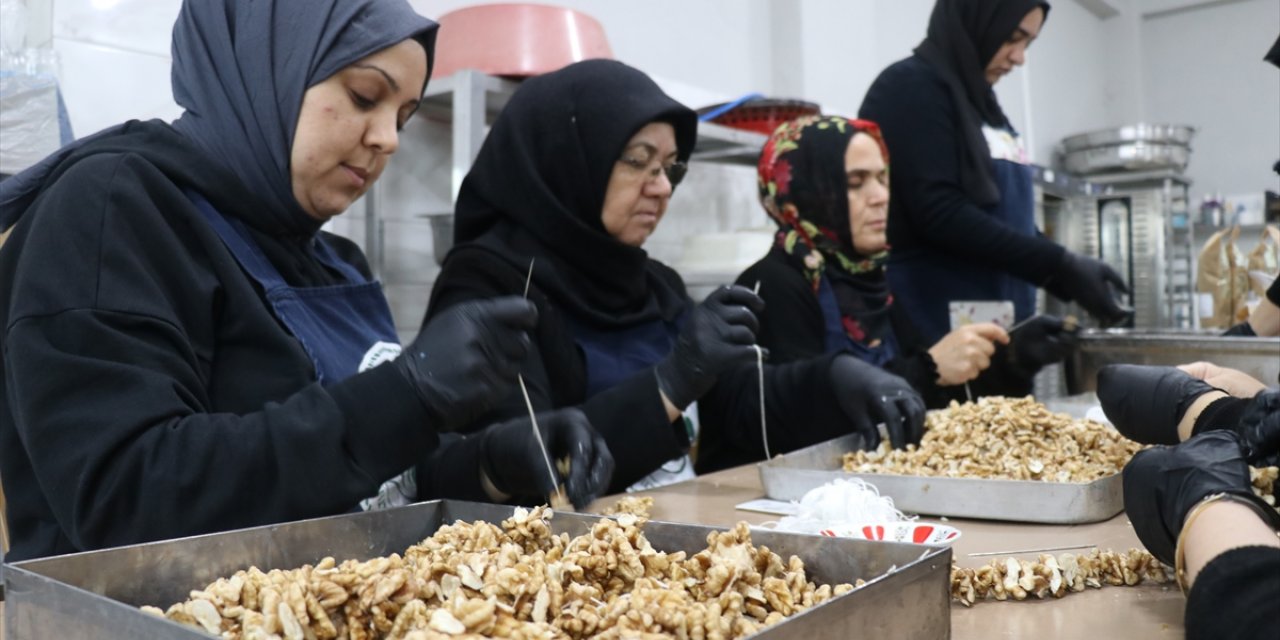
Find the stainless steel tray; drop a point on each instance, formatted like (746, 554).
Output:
(96, 594)
(790, 476)
(1141, 132)
(1258, 357)
(1130, 156)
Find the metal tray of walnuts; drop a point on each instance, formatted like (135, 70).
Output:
(790, 476)
(97, 594)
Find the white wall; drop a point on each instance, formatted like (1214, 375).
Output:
(1204, 67)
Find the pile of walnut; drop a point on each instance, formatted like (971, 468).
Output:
(1055, 576)
(517, 581)
(1264, 483)
(1005, 438)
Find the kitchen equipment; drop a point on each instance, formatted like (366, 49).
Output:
(1169, 134)
(761, 115)
(517, 40)
(97, 594)
(1258, 357)
(1130, 156)
(790, 476)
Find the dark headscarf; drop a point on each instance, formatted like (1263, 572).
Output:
(537, 189)
(805, 189)
(240, 68)
(963, 37)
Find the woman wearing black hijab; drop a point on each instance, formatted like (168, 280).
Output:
(184, 351)
(962, 210)
(571, 180)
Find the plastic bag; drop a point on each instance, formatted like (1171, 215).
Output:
(1263, 263)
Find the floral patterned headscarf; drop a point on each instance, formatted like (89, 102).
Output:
(804, 188)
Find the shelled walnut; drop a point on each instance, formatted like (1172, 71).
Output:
(1264, 483)
(1005, 438)
(1050, 576)
(517, 580)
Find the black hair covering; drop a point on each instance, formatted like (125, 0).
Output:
(537, 189)
(240, 69)
(963, 37)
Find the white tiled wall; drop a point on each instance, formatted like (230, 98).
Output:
(114, 60)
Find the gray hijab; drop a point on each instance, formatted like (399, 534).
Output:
(240, 68)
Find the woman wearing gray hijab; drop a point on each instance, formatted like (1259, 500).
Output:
(186, 352)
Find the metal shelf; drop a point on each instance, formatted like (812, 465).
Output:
(470, 101)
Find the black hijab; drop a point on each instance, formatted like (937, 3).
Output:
(537, 189)
(963, 37)
(240, 69)
(804, 187)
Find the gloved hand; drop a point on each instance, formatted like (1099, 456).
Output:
(511, 459)
(1093, 284)
(869, 395)
(719, 334)
(1260, 429)
(1040, 341)
(467, 357)
(1162, 484)
(1145, 403)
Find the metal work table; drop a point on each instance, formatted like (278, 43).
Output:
(1144, 611)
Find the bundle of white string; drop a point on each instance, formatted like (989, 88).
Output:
(838, 504)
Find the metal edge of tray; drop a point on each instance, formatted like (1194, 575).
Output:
(790, 476)
(95, 594)
(1257, 357)
(1140, 132)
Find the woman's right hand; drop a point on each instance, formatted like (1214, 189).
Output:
(964, 353)
(467, 357)
(515, 465)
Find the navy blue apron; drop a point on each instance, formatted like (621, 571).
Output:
(838, 340)
(614, 355)
(927, 281)
(343, 328)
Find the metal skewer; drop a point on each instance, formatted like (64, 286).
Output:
(533, 418)
(1025, 551)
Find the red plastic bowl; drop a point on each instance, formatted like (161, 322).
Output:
(517, 40)
(763, 115)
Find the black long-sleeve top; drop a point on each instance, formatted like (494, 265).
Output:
(1235, 596)
(147, 391)
(928, 208)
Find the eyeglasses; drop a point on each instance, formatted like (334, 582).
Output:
(675, 171)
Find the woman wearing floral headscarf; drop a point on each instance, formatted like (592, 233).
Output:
(825, 181)
(184, 351)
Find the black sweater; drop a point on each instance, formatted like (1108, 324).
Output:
(1235, 596)
(928, 209)
(147, 390)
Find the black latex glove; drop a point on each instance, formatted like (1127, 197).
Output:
(467, 357)
(869, 395)
(720, 333)
(1162, 484)
(1145, 403)
(511, 459)
(1040, 341)
(1260, 429)
(1093, 284)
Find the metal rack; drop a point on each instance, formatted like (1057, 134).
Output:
(1163, 245)
(470, 101)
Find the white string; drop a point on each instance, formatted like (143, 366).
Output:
(764, 427)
